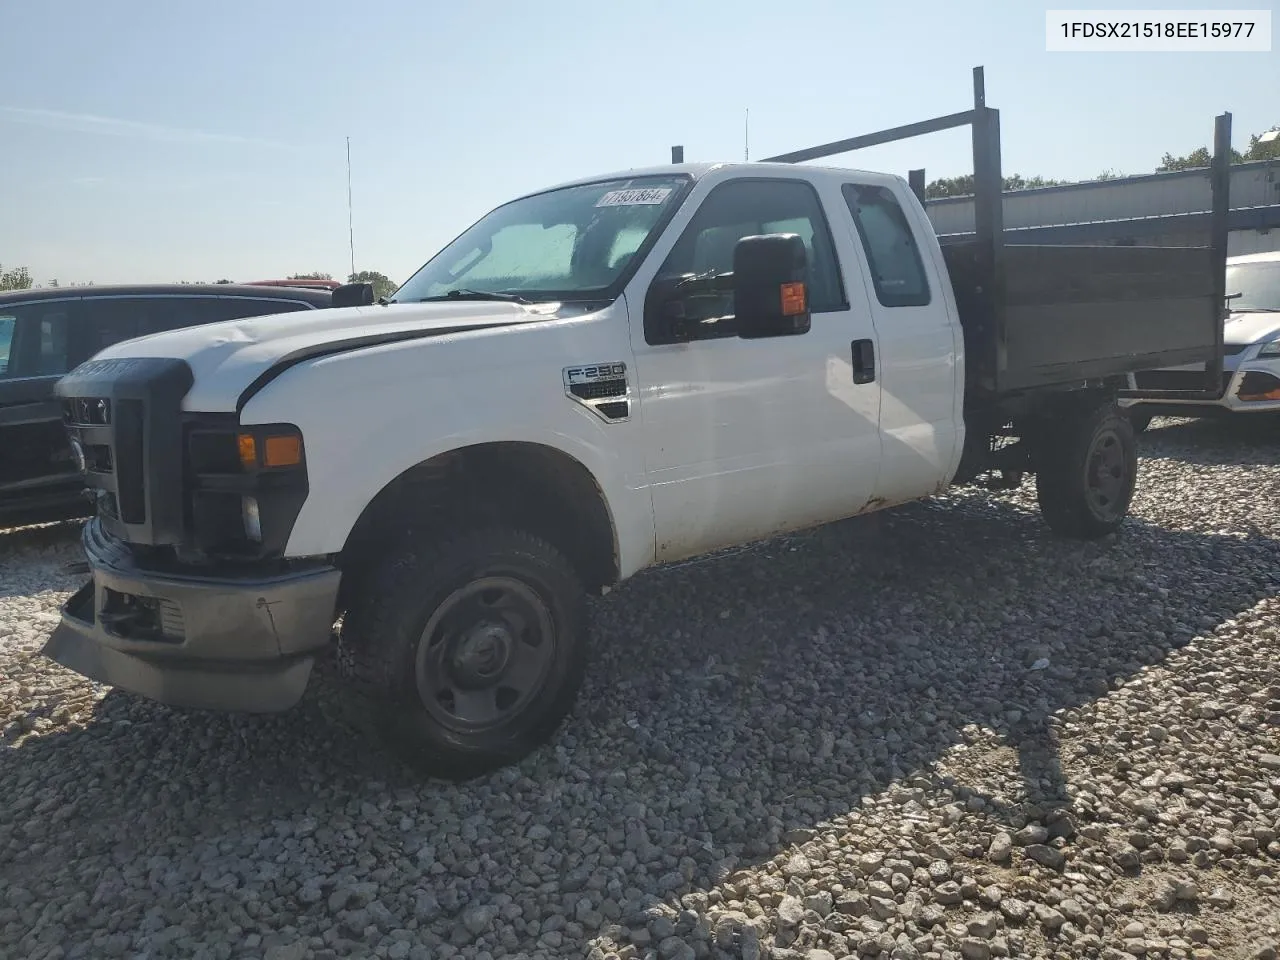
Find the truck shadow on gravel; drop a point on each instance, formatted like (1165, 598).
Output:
(734, 703)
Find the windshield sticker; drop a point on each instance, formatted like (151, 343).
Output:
(630, 198)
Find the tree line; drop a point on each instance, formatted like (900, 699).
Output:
(1196, 159)
(19, 278)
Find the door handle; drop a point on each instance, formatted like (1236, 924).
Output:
(864, 361)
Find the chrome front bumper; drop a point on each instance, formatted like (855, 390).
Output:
(189, 641)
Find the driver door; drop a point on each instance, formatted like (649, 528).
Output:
(744, 439)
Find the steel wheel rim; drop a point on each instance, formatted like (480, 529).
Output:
(1106, 473)
(484, 655)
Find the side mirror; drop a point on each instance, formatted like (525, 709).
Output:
(770, 286)
(352, 295)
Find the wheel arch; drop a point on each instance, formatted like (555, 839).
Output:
(526, 484)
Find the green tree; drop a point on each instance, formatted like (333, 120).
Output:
(383, 286)
(963, 186)
(15, 278)
(317, 275)
(1263, 151)
(1198, 157)
(1201, 157)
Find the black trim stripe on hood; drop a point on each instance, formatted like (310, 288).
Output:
(356, 343)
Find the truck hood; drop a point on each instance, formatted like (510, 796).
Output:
(230, 356)
(1247, 328)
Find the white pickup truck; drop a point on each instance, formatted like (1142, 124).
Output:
(592, 379)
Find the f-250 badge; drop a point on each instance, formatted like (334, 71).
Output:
(601, 388)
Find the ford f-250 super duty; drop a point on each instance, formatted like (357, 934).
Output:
(618, 372)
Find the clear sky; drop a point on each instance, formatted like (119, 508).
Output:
(164, 140)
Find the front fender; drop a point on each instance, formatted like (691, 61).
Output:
(352, 453)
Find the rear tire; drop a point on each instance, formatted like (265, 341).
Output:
(468, 652)
(1086, 472)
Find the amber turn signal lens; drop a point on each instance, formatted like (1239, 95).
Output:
(282, 451)
(792, 299)
(248, 450)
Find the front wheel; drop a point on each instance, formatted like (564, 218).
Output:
(469, 652)
(1086, 472)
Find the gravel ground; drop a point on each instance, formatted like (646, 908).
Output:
(935, 732)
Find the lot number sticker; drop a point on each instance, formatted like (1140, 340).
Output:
(630, 198)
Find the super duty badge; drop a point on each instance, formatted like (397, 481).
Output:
(600, 387)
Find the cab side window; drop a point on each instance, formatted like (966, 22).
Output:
(114, 319)
(742, 208)
(7, 326)
(33, 340)
(240, 308)
(105, 321)
(897, 269)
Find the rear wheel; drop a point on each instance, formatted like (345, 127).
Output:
(1086, 472)
(469, 652)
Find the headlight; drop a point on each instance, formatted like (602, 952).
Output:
(246, 486)
(1269, 349)
(277, 450)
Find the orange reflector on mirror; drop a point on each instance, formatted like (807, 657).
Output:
(282, 451)
(792, 299)
(1269, 395)
(248, 450)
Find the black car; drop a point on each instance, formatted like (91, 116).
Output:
(45, 333)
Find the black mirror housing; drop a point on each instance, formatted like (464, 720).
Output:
(352, 295)
(770, 286)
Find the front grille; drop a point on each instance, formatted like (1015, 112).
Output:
(87, 411)
(124, 418)
(110, 437)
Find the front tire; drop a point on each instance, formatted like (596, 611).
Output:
(468, 652)
(1086, 472)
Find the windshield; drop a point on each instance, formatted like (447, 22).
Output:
(1257, 283)
(573, 243)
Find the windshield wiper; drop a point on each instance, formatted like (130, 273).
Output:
(475, 295)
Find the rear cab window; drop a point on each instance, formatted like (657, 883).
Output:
(897, 269)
